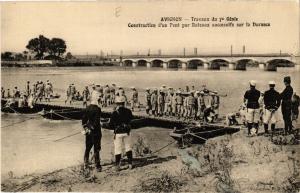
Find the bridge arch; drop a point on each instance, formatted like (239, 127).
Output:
(128, 63)
(243, 63)
(215, 64)
(141, 63)
(174, 63)
(195, 63)
(157, 63)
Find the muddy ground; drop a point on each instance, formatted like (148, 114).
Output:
(230, 163)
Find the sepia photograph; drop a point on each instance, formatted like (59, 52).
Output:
(150, 96)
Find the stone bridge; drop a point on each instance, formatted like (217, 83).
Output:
(268, 62)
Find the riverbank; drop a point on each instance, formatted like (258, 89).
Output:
(234, 163)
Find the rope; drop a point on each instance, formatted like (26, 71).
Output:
(17, 122)
(67, 136)
(13, 109)
(60, 115)
(209, 131)
(198, 136)
(163, 147)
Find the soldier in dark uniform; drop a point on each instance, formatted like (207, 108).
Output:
(251, 98)
(286, 105)
(272, 103)
(120, 123)
(92, 130)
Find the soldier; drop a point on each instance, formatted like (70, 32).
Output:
(73, 91)
(286, 105)
(134, 99)
(179, 104)
(185, 107)
(215, 102)
(120, 123)
(122, 93)
(154, 104)
(8, 93)
(69, 94)
(16, 93)
(191, 105)
(28, 90)
(168, 103)
(251, 98)
(271, 104)
(48, 91)
(85, 95)
(93, 134)
(112, 93)
(106, 92)
(174, 104)
(148, 101)
(160, 103)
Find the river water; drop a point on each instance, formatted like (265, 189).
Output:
(28, 147)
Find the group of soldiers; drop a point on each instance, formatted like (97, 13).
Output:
(188, 104)
(264, 107)
(107, 94)
(166, 101)
(32, 93)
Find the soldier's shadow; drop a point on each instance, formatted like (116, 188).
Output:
(144, 161)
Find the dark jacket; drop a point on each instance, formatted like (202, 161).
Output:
(120, 120)
(272, 99)
(252, 97)
(286, 96)
(91, 118)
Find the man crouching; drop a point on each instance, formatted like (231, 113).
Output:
(120, 123)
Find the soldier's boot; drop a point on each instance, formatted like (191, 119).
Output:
(249, 128)
(256, 127)
(129, 156)
(272, 128)
(118, 161)
(266, 128)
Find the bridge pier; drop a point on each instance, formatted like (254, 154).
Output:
(121, 64)
(206, 65)
(184, 65)
(262, 66)
(231, 66)
(134, 64)
(165, 65)
(148, 64)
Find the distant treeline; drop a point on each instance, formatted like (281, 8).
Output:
(58, 64)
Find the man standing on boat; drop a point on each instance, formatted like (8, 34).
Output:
(92, 131)
(286, 105)
(85, 95)
(148, 101)
(120, 123)
(271, 103)
(251, 98)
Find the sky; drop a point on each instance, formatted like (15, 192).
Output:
(92, 27)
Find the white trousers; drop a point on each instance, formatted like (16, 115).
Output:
(269, 116)
(252, 115)
(122, 140)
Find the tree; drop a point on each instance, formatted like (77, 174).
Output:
(69, 56)
(39, 46)
(19, 57)
(57, 47)
(7, 56)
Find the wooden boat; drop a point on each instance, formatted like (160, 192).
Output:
(64, 114)
(200, 133)
(70, 113)
(13, 108)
